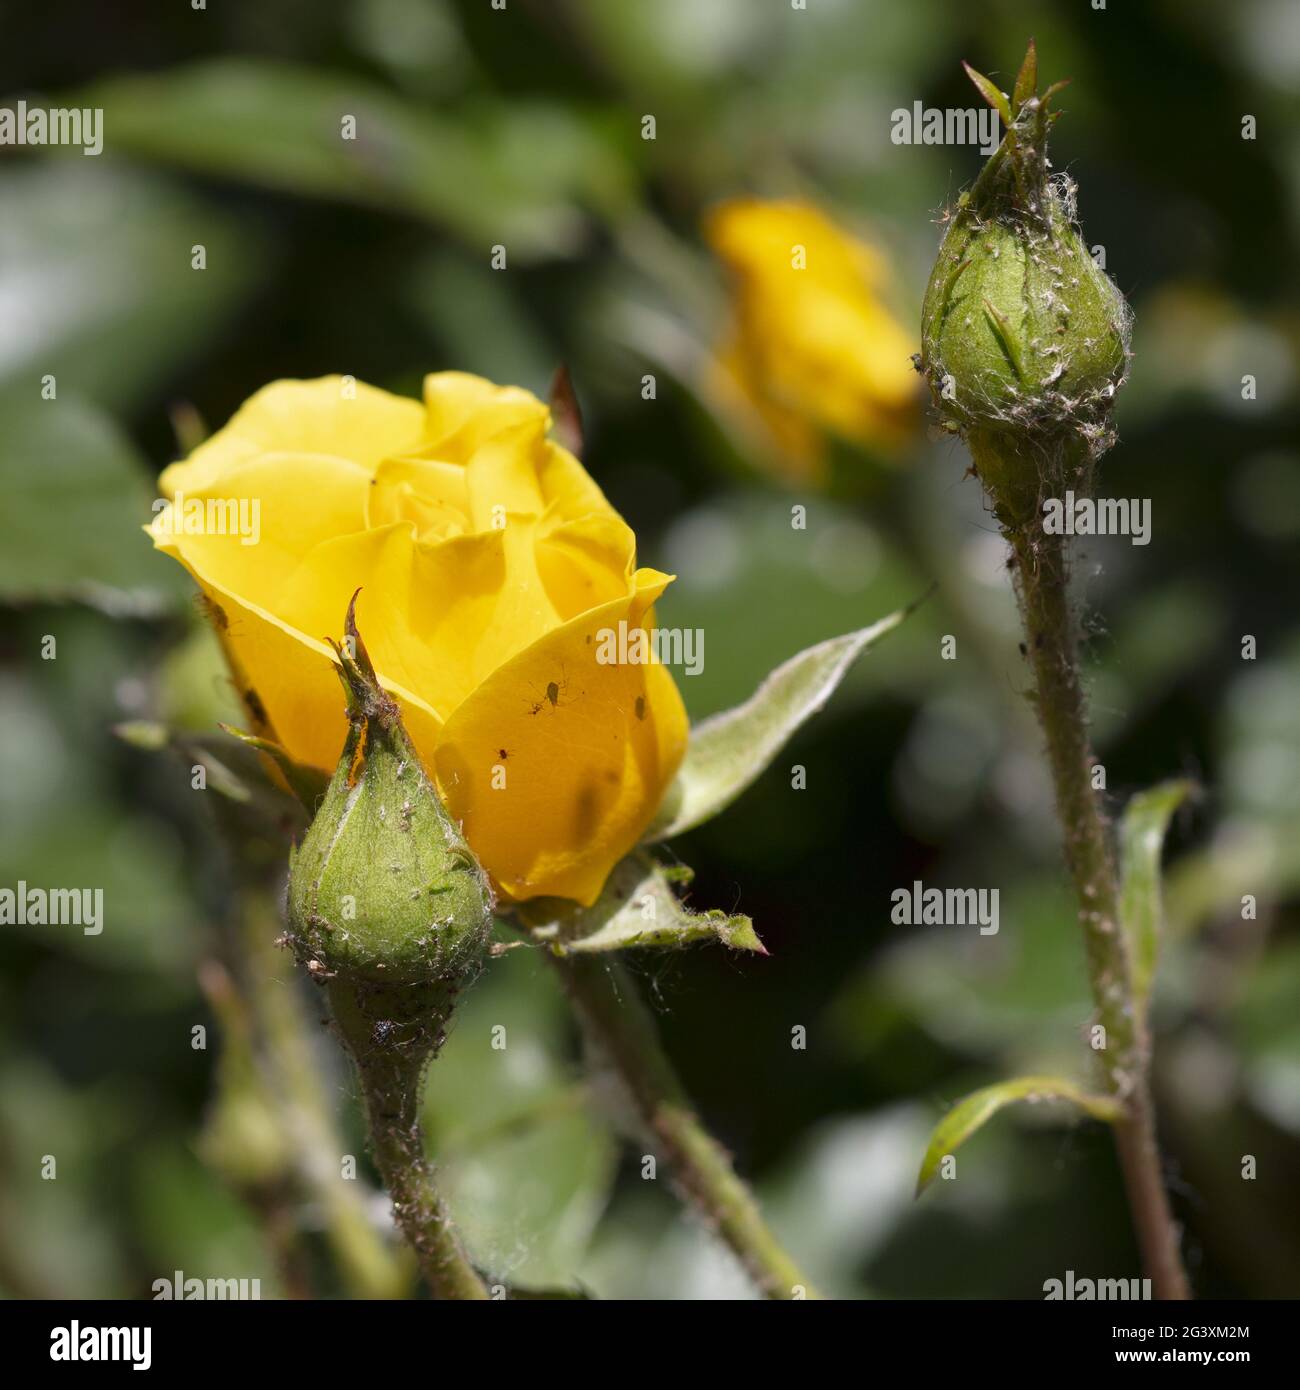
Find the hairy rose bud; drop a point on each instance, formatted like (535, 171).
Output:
(384, 890)
(1024, 338)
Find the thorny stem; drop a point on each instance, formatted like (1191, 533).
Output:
(391, 1071)
(618, 1022)
(1052, 651)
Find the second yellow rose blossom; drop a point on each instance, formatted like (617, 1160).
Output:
(813, 348)
(489, 563)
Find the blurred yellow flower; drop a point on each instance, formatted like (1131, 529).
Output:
(813, 350)
(489, 562)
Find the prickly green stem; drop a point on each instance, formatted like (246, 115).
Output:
(1025, 344)
(391, 1032)
(1051, 644)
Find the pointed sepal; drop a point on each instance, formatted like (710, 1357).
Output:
(637, 908)
(996, 99)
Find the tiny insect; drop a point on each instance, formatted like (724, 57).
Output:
(256, 709)
(640, 706)
(552, 695)
(212, 611)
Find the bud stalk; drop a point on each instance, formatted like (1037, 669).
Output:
(1025, 346)
(390, 911)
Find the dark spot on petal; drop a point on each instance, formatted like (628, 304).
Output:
(255, 706)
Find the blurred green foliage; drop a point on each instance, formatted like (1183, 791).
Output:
(523, 128)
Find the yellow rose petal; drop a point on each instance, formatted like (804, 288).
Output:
(556, 764)
(568, 490)
(289, 687)
(429, 493)
(462, 412)
(502, 478)
(586, 562)
(813, 350)
(269, 491)
(437, 619)
(361, 423)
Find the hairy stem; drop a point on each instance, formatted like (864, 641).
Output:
(1052, 651)
(617, 1021)
(391, 1033)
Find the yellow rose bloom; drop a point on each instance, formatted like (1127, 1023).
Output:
(813, 348)
(489, 564)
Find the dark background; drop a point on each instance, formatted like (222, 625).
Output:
(523, 127)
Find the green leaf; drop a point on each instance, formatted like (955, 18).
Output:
(75, 498)
(1142, 837)
(636, 908)
(728, 752)
(990, 93)
(514, 175)
(980, 1106)
(1026, 79)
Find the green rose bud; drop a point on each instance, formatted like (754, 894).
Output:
(1024, 340)
(389, 909)
(384, 892)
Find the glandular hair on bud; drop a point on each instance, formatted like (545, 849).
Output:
(1024, 339)
(384, 891)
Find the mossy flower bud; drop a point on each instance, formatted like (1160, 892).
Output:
(384, 890)
(1024, 337)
